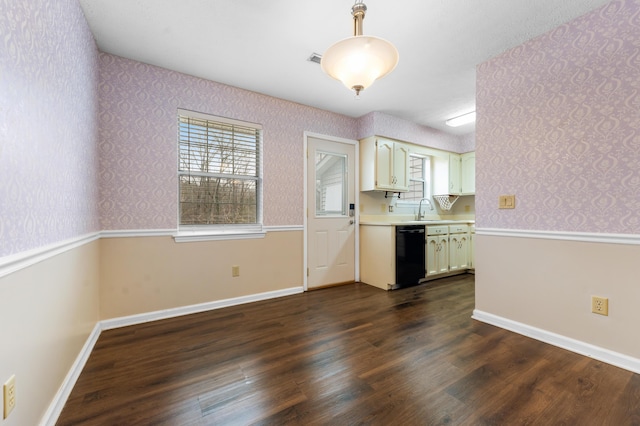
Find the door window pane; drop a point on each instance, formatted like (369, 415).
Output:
(331, 184)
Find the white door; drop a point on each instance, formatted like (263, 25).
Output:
(331, 218)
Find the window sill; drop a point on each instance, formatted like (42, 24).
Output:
(218, 235)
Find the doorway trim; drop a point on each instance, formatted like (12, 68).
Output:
(356, 144)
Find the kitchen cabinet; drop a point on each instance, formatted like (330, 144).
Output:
(455, 180)
(468, 172)
(455, 174)
(458, 247)
(384, 165)
(437, 252)
(378, 256)
(447, 251)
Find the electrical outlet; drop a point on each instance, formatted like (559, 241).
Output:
(600, 305)
(9, 394)
(235, 271)
(390, 209)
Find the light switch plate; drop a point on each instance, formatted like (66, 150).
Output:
(507, 202)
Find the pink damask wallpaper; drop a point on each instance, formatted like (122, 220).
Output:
(138, 138)
(559, 127)
(48, 124)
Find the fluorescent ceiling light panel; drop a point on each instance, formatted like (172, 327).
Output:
(463, 119)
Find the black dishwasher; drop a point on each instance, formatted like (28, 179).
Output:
(410, 259)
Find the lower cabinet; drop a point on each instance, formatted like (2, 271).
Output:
(447, 249)
(448, 252)
(458, 252)
(437, 254)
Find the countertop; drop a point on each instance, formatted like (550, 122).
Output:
(414, 222)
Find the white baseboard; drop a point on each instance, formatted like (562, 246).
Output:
(55, 408)
(577, 346)
(193, 309)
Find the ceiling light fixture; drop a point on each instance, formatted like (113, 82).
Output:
(360, 60)
(469, 117)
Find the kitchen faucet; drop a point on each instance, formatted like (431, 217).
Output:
(420, 207)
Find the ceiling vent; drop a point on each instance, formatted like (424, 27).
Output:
(315, 58)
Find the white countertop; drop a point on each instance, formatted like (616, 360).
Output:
(414, 222)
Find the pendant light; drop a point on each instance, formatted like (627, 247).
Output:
(360, 60)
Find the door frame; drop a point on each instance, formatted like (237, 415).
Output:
(356, 217)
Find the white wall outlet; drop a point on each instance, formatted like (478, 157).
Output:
(9, 395)
(600, 305)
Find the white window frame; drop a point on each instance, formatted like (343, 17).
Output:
(426, 178)
(187, 233)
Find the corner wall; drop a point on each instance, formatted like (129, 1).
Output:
(48, 197)
(558, 126)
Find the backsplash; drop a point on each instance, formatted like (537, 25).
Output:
(374, 203)
(48, 124)
(559, 127)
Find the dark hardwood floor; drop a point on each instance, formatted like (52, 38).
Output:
(345, 355)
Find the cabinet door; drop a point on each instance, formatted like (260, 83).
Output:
(458, 252)
(472, 251)
(401, 166)
(454, 174)
(468, 174)
(464, 248)
(384, 164)
(443, 254)
(454, 252)
(440, 173)
(432, 256)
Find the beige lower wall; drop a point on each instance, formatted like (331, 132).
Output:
(47, 312)
(548, 284)
(145, 274)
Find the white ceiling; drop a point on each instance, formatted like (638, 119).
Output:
(263, 45)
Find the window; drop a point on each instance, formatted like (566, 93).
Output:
(419, 172)
(219, 171)
(331, 184)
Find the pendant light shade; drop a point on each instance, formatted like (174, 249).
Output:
(360, 60)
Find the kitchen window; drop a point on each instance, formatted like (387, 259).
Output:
(220, 176)
(419, 173)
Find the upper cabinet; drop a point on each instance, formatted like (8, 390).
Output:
(455, 174)
(468, 172)
(384, 165)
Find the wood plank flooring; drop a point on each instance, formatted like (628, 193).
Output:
(345, 355)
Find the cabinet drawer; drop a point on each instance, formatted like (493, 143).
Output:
(458, 229)
(437, 230)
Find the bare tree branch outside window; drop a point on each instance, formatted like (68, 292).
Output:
(218, 172)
